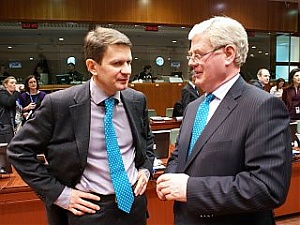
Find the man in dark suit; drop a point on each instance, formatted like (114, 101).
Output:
(76, 185)
(263, 78)
(239, 168)
(189, 93)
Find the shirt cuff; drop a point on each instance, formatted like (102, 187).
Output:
(64, 199)
(146, 171)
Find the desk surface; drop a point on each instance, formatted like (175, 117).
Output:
(165, 124)
(12, 183)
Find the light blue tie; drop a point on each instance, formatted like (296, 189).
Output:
(122, 186)
(200, 120)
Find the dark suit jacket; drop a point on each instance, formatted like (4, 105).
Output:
(240, 165)
(61, 130)
(256, 83)
(188, 94)
(8, 102)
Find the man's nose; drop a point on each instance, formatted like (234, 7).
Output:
(126, 69)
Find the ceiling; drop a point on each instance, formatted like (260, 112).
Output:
(45, 40)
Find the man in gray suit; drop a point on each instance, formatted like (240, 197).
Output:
(76, 185)
(239, 168)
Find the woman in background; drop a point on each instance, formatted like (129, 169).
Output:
(8, 98)
(277, 89)
(291, 94)
(32, 97)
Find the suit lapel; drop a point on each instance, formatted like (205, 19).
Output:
(223, 111)
(193, 91)
(185, 129)
(80, 109)
(130, 105)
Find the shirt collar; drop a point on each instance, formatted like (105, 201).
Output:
(98, 95)
(221, 91)
(192, 84)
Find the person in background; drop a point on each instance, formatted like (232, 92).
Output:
(146, 73)
(38, 70)
(291, 94)
(70, 129)
(31, 99)
(277, 89)
(74, 74)
(8, 99)
(237, 170)
(3, 72)
(263, 76)
(189, 93)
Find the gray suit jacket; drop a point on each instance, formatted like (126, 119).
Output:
(240, 165)
(61, 130)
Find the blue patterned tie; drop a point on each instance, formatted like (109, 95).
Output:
(122, 186)
(200, 120)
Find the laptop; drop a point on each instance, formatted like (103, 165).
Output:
(161, 143)
(63, 79)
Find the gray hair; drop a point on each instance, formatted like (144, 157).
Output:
(223, 31)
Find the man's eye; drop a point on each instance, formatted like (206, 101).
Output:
(117, 63)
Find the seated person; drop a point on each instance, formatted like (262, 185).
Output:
(277, 89)
(146, 73)
(74, 74)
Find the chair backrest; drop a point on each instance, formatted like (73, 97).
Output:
(169, 112)
(173, 135)
(161, 143)
(178, 109)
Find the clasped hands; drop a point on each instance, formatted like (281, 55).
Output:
(79, 201)
(172, 186)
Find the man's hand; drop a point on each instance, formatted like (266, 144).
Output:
(172, 186)
(79, 204)
(141, 183)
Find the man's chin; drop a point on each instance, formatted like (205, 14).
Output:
(122, 86)
(199, 82)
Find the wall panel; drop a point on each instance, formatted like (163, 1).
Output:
(225, 7)
(75, 10)
(198, 11)
(254, 14)
(283, 16)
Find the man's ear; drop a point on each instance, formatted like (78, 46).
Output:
(230, 52)
(91, 66)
